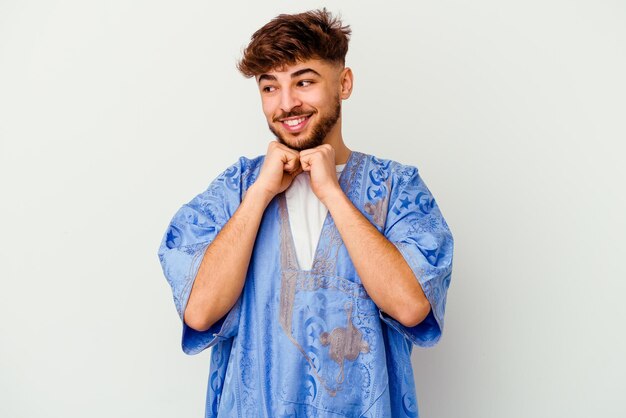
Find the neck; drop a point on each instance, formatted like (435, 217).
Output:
(335, 139)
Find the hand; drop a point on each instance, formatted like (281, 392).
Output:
(281, 166)
(320, 163)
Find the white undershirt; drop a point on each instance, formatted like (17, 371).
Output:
(306, 217)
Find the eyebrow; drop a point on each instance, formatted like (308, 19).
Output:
(293, 75)
(304, 71)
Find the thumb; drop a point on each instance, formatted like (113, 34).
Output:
(291, 164)
(296, 172)
(305, 163)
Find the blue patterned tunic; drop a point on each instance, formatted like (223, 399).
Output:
(311, 343)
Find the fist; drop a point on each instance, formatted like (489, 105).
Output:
(281, 166)
(320, 163)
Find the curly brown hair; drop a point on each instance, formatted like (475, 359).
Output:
(287, 39)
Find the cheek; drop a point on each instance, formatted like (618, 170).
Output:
(319, 99)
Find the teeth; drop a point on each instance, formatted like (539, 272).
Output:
(294, 122)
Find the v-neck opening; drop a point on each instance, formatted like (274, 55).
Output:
(292, 241)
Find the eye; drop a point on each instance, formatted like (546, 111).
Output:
(305, 83)
(268, 89)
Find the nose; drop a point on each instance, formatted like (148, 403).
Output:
(288, 100)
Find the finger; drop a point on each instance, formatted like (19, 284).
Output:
(308, 152)
(290, 158)
(291, 164)
(306, 160)
(277, 148)
(296, 172)
(318, 153)
(291, 155)
(286, 149)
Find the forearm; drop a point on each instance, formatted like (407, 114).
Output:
(222, 272)
(384, 272)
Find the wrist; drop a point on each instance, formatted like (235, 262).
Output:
(259, 194)
(333, 197)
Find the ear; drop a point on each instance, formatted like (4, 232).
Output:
(346, 78)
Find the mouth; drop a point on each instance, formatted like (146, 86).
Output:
(295, 124)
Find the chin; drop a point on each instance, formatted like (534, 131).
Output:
(299, 144)
(307, 139)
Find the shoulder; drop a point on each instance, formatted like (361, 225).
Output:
(393, 172)
(250, 164)
(226, 190)
(250, 168)
(245, 166)
(240, 174)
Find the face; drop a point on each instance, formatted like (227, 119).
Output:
(302, 102)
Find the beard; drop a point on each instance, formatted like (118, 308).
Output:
(319, 131)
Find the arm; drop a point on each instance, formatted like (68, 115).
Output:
(222, 272)
(386, 276)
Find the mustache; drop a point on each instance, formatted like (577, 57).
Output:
(293, 113)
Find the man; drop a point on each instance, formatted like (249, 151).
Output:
(311, 270)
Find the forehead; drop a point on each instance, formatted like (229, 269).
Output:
(287, 71)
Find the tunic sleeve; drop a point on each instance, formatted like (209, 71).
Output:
(417, 228)
(192, 229)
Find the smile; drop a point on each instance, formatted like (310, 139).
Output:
(295, 125)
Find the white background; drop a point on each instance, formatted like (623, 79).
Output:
(115, 113)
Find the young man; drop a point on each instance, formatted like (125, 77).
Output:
(311, 270)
